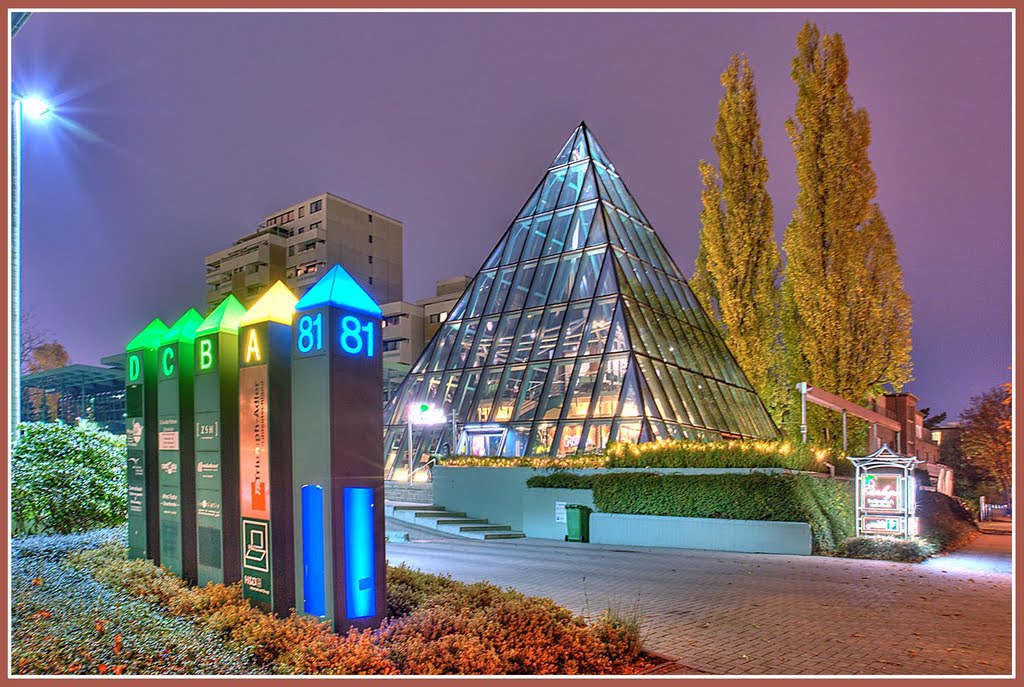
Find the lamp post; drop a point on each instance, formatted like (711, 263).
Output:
(34, 109)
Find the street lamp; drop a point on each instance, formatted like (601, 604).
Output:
(35, 109)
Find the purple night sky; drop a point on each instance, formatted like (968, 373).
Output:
(181, 131)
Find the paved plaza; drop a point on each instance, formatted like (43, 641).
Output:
(732, 613)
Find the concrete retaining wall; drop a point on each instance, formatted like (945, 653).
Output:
(749, 536)
(540, 512)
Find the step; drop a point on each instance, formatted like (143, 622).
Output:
(415, 515)
(436, 514)
(441, 522)
(462, 528)
(494, 535)
(416, 506)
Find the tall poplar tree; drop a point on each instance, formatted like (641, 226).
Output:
(845, 316)
(738, 262)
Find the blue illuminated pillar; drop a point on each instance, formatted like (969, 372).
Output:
(337, 449)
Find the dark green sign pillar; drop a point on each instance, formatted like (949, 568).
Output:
(337, 440)
(265, 450)
(176, 447)
(218, 547)
(141, 441)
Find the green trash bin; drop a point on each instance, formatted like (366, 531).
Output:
(577, 522)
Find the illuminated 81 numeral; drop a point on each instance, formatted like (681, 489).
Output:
(311, 333)
(352, 331)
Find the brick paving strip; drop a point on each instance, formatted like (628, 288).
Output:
(732, 613)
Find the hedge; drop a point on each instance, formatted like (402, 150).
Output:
(560, 480)
(719, 454)
(943, 520)
(913, 550)
(67, 479)
(678, 454)
(826, 505)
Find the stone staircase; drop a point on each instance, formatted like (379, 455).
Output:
(452, 522)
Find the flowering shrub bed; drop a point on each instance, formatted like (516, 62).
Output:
(65, 622)
(677, 454)
(438, 626)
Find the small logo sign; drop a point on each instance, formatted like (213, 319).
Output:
(168, 441)
(134, 434)
(169, 467)
(255, 536)
(207, 467)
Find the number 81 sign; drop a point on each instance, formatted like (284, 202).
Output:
(354, 335)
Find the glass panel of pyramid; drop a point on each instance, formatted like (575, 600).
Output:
(579, 330)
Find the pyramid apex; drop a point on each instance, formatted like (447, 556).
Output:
(224, 318)
(149, 337)
(276, 305)
(339, 289)
(184, 330)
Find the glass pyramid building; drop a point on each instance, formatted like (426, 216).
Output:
(578, 330)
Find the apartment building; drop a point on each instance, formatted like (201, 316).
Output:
(409, 327)
(298, 243)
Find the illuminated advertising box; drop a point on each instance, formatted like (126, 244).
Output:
(141, 441)
(265, 450)
(218, 546)
(337, 439)
(176, 447)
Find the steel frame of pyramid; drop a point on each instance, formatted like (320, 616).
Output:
(579, 329)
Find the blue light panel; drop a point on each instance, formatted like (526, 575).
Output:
(360, 571)
(339, 289)
(313, 550)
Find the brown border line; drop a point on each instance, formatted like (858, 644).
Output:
(229, 5)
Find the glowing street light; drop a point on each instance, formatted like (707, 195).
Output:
(36, 109)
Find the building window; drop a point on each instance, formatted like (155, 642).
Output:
(370, 257)
(371, 281)
(291, 251)
(392, 345)
(371, 238)
(315, 206)
(302, 211)
(392, 320)
(444, 316)
(314, 226)
(272, 221)
(438, 317)
(299, 230)
(370, 217)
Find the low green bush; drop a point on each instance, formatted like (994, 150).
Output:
(944, 520)
(913, 550)
(826, 505)
(67, 479)
(560, 480)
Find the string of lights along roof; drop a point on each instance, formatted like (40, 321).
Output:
(578, 330)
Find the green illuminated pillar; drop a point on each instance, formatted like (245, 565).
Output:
(176, 444)
(337, 448)
(141, 441)
(216, 434)
(265, 450)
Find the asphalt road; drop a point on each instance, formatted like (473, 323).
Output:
(732, 613)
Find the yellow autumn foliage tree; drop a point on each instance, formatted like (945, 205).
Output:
(845, 316)
(738, 262)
